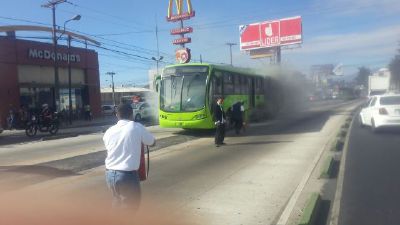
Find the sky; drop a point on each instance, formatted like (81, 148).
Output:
(353, 33)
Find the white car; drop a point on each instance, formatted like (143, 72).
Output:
(381, 111)
(143, 111)
(108, 109)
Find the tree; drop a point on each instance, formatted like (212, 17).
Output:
(362, 77)
(394, 68)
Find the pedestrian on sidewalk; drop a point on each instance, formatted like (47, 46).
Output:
(123, 142)
(11, 120)
(220, 119)
(88, 112)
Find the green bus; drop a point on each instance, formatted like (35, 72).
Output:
(188, 93)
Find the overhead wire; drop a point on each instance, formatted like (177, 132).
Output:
(145, 51)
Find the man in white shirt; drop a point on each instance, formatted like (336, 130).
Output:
(123, 142)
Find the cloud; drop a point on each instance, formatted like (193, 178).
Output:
(357, 7)
(373, 42)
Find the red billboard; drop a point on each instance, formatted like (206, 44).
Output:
(271, 33)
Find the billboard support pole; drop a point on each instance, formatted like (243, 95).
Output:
(278, 55)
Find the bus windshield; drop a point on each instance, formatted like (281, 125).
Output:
(183, 89)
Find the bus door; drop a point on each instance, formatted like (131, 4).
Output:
(215, 88)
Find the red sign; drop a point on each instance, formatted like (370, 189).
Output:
(250, 36)
(271, 33)
(184, 30)
(183, 55)
(291, 31)
(180, 41)
(184, 16)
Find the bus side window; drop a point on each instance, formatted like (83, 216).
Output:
(237, 84)
(252, 91)
(228, 83)
(217, 84)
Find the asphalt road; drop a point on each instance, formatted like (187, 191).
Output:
(247, 181)
(371, 188)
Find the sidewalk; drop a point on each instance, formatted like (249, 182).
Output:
(99, 121)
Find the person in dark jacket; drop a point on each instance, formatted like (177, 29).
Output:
(220, 119)
(237, 116)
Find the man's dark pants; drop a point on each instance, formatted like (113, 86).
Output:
(238, 125)
(220, 133)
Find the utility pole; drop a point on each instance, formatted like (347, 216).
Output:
(230, 49)
(69, 82)
(158, 48)
(159, 58)
(56, 96)
(112, 85)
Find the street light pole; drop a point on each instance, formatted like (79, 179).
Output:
(56, 98)
(112, 83)
(230, 49)
(77, 17)
(157, 61)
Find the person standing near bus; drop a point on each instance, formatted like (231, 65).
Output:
(123, 142)
(238, 116)
(220, 119)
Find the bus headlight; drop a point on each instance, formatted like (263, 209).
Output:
(200, 116)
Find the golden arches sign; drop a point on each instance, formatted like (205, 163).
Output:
(179, 7)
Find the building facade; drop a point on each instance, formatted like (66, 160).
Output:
(27, 77)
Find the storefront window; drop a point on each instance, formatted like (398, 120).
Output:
(76, 99)
(34, 98)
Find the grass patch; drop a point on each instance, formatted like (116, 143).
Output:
(327, 168)
(310, 212)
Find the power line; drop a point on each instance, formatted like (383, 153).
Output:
(136, 48)
(107, 21)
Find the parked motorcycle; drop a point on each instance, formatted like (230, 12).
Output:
(38, 123)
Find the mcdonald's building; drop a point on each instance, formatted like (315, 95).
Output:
(27, 75)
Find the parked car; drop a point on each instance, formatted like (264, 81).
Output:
(108, 109)
(381, 111)
(1, 129)
(143, 111)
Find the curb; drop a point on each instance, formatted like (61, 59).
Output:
(310, 212)
(334, 218)
(313, 206)
(59, 136)
(339, 144)
(342, 133)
